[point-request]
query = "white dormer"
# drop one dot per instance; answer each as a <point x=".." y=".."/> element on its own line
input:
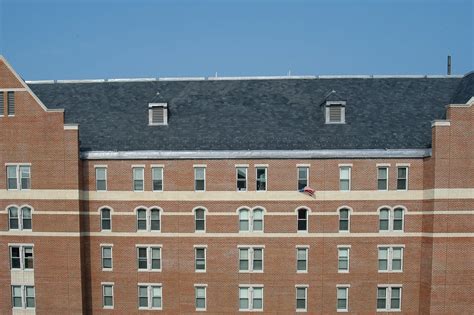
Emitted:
<point x="157" y="114"/>
<point x="335" y="112"/>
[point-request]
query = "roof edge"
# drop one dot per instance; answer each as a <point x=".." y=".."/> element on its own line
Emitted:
<point x="255" y="154"/>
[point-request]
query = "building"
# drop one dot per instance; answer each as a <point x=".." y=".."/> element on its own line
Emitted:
<point x="184" y="195"/>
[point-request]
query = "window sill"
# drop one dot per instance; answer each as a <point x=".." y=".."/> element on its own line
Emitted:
<point x="388" y="310"/>
<point x="200" y="271"/>
<point x="343" y="271"/>
<point x="302" y="272"/>
<point x="343" y="311"/>
<point x="301" y="311"/>
<point x="108" y="307"/>
<point x="154" y="271"/>
<point x="390" y="271"/>
<point x="250" y="271"/>
<point x="149" y="309"/>
<point x="107" y="269"/>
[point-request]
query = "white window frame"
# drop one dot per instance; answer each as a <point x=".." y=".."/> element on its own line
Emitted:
<point x="387" y="169"/>
<point x="195" y="210"/>
<point x="388" y="297"/>
<point x="341" y="167"/>
<point x="251" y="257"/>
<point x="196" y="248"/>
<point x="306" y="249"/>
<point x="102" y="257"/>
<point x="142" y="169"/>
<point x="149" y="248"/>
<point x="341" y="248"/>
<point x="197" y="167"/>
<point x="153" y="168"/>
<point x="257" y="179"/>
<point x="391" y="218"/>
<point x="390" y="248"/>
<point x="305" y="287"/>
<point x="97" y="169"/>
<point x="407" y="176"/>
<point x="148" y="212"/>
<point x="349" y="212"/>
<point x="18" y="175"/>
<point x="251" y="219"/>
<point x="344" y="287"/>
<point x="298" y="177"/>
<point x="20" y="217"/>
<point x="298" y="219"/>
<point x="196" y="287"/>
<point x="23" y="296"/>
<point x="250" y="288"/>
<point x="150" y="287"/>
<point x="102" y="219"/>
<point x="237" y="178"/>
<point x="22" y="248"/>
<point x="107" y="284"/>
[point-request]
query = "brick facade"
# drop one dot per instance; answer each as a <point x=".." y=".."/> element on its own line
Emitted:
<point x="437" y="236"/>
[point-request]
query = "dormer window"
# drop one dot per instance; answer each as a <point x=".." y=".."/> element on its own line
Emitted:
<point x="158" y="114"/>
<point x="335" y="112"/>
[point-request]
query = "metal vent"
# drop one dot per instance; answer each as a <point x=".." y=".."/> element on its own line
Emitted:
<point x="11" y="103"/>
<point x="158" y="114"/>
<point x="335" y="113"/>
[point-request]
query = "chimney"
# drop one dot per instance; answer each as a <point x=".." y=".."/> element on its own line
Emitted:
<point x="449" y="64"/>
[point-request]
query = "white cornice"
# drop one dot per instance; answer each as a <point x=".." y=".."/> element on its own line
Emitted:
<point x="256" y="154"/>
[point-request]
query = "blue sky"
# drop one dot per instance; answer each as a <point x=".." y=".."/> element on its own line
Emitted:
<point x="73" y="39"/>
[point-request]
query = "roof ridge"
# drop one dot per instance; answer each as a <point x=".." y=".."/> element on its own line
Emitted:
<point x="236" y="78"/>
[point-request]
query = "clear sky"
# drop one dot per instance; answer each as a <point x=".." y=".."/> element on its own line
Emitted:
<point x="74" y="39"/>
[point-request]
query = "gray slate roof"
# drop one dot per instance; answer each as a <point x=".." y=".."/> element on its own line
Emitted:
<point x="266" y="114"/>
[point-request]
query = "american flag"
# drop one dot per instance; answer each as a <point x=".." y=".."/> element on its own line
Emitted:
<point x="310" y="191"/>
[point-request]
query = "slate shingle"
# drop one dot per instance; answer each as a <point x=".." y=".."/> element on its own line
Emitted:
<point x="282" y="114"/>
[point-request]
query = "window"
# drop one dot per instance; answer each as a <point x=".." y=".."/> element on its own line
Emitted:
<point x="335" y="113"/>
<point x="149" y="258"/>
<point x="157" y="114"/>
<point x="108" y="295"/>
<point x="390" y="259"/>
<point x="138" y="178"/>
<point x="101" y="178"/>
<point x="23" y="296"/>
<point x="302" y="220"/>
<point x="250" y="259"/>
<point x="301" y="298"/>
<point x="261" y="179"/>
<point x="343" y="259"/>
<point x="402" y="178"/>
<point x="149" y="296"/>
<point x="106" y="257"/>
<point x="342" y="298"/>
<point x="344" y="220"/>
<point x="391" y="220"/>
<point x="389" y="298"/>
<point x="199" y="178"/>
<point x="200" y="220"/>
<point x="18" y="177"/>
<point x="250" y="298"/>
<point x="200" y="259"/>
<point x="200" y="295"/>
<point x="241" y="173"/>
<point x="19" y="220"/>
<point x="148" y="220"/>
<point x="2" y="104"/>
<point x="157" y="178"/>
<point x="251" y="221"/>
<point x="303" y="177"/>
<point x="301" y="259"/>
<point x="382" y="178"/>
<point x="105" y="219"/>
<point x="11" y="103"/>
<point x="345" y="178"/>
<point x="21" y="257"/>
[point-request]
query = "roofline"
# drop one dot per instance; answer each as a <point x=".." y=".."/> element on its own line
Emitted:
<point x="242" y="78"/>
<point x="255" y="154"/>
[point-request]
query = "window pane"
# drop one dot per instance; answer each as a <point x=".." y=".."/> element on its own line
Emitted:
<point x="12" y="178"/>
<point x="28" y="253"/>
<point x="398" y="213"/>
<point x="261" y="178"/>
<point x="15" y="258"/>
<point x="25" y="177"/>
<point x="26" y="213"/>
